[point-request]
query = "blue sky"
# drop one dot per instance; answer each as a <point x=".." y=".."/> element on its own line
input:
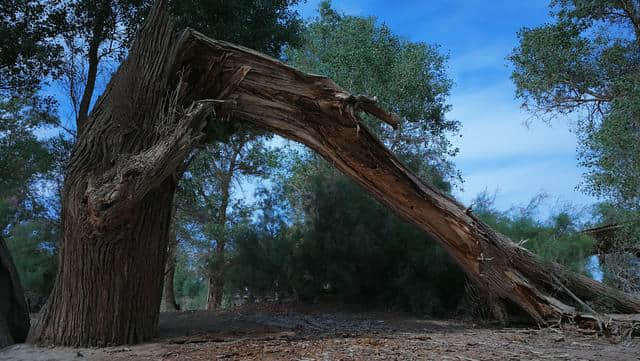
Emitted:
<point x="497" y="151"/>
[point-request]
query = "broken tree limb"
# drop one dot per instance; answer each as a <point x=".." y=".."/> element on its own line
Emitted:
<point x="315" y="111"/>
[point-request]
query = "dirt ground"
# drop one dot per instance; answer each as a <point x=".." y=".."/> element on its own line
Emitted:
<point x="303" y="334"/>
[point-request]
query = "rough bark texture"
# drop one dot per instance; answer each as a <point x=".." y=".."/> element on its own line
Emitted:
<point x="120" y="182"/>
<point x="14" y="313"/>
<point x="117" y="199"/>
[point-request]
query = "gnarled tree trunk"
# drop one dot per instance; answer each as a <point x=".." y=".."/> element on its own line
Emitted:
<point x="121" y="178"/>
<point x="14" y="313"/>
<point x="117" y="199"/>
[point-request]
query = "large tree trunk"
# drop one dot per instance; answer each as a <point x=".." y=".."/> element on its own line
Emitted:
<point x="120" y="182"/>
<point x="14" y="313"/>
<point x="118" y="198"/>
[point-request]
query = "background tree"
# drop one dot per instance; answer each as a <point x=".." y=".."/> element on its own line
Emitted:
<point x="588" y="62"/>
<point x="209" y="213"/>
<point x="407" y="78"/>
<point x="267" y="26"/>
<point x="350" y="246"/>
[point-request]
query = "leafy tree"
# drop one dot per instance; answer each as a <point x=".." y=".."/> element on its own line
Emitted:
<point x="408" y="78"/>
<point x="588" y="62"/>
<point x="28" y="52"/>
<point x="342" y="243"/>
<point x="207" y="210"/>
<point x="356" y="249"/>
<point x="25" y="223"/>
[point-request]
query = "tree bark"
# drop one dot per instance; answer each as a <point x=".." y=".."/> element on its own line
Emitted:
<point x="215" y="290"/>
<point x="120" y="182"/>
<point x="117" y="199"/>
<point x="14" y="313"/>
<point x="169" y="303"/>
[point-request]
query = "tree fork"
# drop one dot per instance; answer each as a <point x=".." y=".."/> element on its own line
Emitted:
<point x="120" y="183"/>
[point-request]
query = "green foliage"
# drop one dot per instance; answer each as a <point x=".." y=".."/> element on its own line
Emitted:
<point x="263" y="261"/>
<point x="620" y="261"/>
<point x="24" y="222"/>
<point x="189" y="287"/>
<point x="555" y="240"/>
<point x="408" y="78"/>
<point x="346" y="247"/>
<point x="320" y="235"/>
<point x="24" y="157"/>
<point x="365" y="254"/>
<point x="588" y="62"/>
<point x="263" y="25"/>
<point x="33" y="247"/>
<point x="28" y="52"/>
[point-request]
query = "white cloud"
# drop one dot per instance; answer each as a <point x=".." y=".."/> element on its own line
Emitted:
<point x="493" y="127"/>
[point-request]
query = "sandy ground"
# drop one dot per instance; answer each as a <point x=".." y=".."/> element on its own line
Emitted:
<point x="244" y="334"/>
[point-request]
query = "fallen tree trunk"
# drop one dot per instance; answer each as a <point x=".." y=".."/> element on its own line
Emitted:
<point x="14" y="313"/>
<point x="174" y="88"/>
<point x="314" y="111"/>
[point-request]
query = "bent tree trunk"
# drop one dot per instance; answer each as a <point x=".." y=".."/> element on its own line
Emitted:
<point x="14" y="313"/>
<point x="173" y="88"/>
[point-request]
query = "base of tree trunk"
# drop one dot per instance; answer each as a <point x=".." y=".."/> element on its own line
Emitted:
<point x="215" y="292"/>
<point x="14" y="313"/>
<point x="109" y="286"/>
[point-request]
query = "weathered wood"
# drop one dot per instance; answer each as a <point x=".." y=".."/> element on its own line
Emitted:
<point x="315" y="111"/>
<point x="173" y="88"/>
<point x="14" y="313"/>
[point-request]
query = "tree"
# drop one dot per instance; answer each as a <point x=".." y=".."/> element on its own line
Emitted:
<point x="14" y="313"/>
<point x="408" y="78"/>
<point x="206" y="204"/>
<point x="588" y="63"/>
<point x="96" y="35"/>
<point x="27" y="50"/>
<point x="361" y="249"/>
<point x="121" y="179"/>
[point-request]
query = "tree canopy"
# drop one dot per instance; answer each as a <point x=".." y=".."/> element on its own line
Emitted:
<point x="587" y="62"/>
